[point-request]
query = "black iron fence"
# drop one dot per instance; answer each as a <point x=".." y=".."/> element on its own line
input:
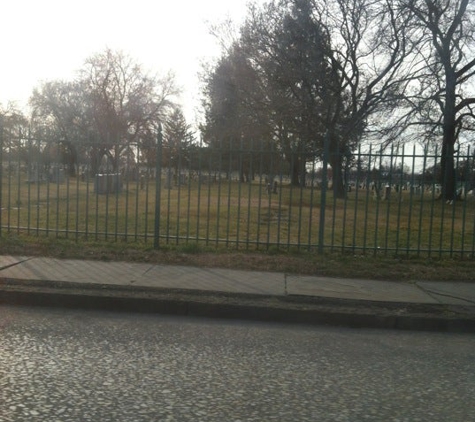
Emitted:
<point x="236" y="195"/>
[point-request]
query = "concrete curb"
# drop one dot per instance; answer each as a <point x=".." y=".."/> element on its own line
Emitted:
<point x="301" y="310"/>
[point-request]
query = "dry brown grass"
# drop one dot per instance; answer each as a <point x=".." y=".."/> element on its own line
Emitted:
<point x="329" y="265"/>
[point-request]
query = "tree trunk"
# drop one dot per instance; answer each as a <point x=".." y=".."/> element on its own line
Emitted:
<point x="303" y="173"/>
<point x="336" y="163"/>
<point x="448" y="142"/>
<point x="71" y="156"/>
<point x="448" y="172"/>
<point x="294" y="171"/>
<point x="95" y="160"/>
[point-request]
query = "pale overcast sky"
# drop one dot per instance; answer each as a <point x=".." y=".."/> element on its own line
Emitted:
<point x="50" y="39"/>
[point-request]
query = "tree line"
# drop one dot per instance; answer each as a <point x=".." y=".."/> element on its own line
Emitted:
<point x="112" y="111"/>
<point x="319" y="78"/>
<point x="304" y="79"/>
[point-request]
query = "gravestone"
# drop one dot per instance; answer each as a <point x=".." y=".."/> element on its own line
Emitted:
<point x="108" y="183"/>
<point x="56" y="175"/>
<point x="387" y="192"/>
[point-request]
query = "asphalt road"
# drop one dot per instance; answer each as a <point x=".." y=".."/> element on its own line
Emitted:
<point x="63" y="365"/>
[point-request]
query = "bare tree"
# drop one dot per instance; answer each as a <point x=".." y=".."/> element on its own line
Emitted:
<point x="445" y="99"/>
<point x="111" y="105"/>
<point x="324" y="72"/>
<point x="124" y="102"/>
<point x="286" y="47"/>
<point x="368" y="57"/>
<point x="13" y="126"/>
<point x="265" y="88"/>
<point x="59" y="117"/>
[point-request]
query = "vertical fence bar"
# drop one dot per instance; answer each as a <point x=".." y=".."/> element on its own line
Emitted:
<point x="311" y="204"/>
<point x="345" y="202"/>
<point x="139" y="186"/>
<point x="147" y="199"/>
<point x="454" y="204"/>
<point x="57" y="160"/>
<point x="473" y="197"/>
<point x="68" y="197"/>
<point x="443" y="208"/>
<point x="106" y="228"/>
<point x="78" y="197"/>
<point x="158" y="186"/>
<point x="357" y="192"/>
<point x="333" y="214"/>
<point x="276" y="167"/>
<point x="127" y="175"/>
<point x="1" y="177"/>
<point x="433" y="184"/>
<point x="294" y="172"/>
<point x="117" y="183"/>
<point x="302" y="183"/>
<point x="411" y="202"/>
<point x="377" y="187"/>
<point x="218" y="205"/>
<point x="259" y="200"/>
<point x="323" y="200"/>
<point x="239" y="194"/>
<point x="463" y="196"/>
<point x="230" y="172"/>
<point x="388" y="200"/>
<point x="421" y="197"/>
<point x="208" y="202"/>
<point x="169" y="188"/>
<point x="250" y="177"/>
<point x="367" y="196"/>
<point x="49" y="179"/>
<point x="473" y="238"/>
<point x="398" y="193"/>
<point x="87" y="177"/>
<point x="21" y="145"/>
<point x="270" y="176"/>
<point x="30" y="170"/>
<point x="48" y="191"/>
<point x="96" y="204"/>
<point x="38" y="180"/>
<point x="8" y="139"/>
<point x="178" y="187"/>
<point x="9" y="178"/>
<point x="188" y="211"/>
<point x="200" y="173"/>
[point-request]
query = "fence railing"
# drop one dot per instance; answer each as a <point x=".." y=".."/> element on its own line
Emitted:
<point x="237" y="196"/>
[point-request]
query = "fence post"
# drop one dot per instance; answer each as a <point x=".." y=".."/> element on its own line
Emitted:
<point x="1" y="171"/>
<point x="323" y="200"/>
<point x="158" y="186"/>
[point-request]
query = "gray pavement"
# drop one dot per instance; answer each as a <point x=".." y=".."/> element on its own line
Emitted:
<point x="233" y="293"/>
<point x="70" y="365"/>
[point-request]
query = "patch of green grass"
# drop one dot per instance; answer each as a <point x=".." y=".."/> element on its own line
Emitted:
<point x="236" y="216"/>
<point x="273" y="250"/>
<point x="189" y="248"/>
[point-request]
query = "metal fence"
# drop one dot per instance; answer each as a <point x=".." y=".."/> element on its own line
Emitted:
<point x="245" y="196"/>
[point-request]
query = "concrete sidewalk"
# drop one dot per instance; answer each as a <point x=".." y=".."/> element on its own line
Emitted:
<point x="186" y="290"/>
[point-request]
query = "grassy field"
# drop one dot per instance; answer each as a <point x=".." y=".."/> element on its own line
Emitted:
<point x="225" y="223"/>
